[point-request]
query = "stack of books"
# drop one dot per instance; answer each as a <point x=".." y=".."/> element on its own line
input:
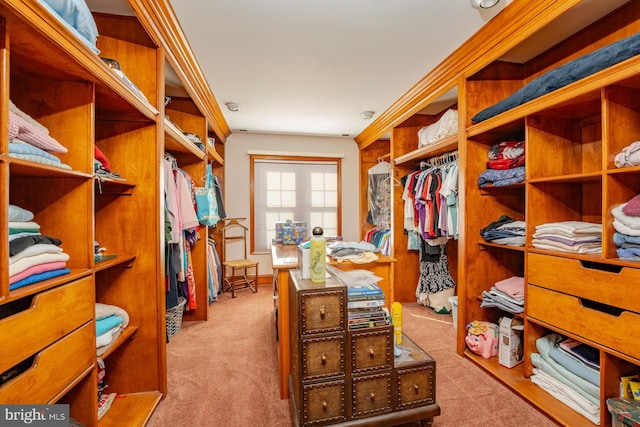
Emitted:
<point x="366" y="307"/>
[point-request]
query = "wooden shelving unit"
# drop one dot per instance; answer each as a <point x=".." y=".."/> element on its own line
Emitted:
<point x="572" y="135"/>
<point x="65" y="86"/>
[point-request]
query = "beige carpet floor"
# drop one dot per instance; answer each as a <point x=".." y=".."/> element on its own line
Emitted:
<point x="224" y="372"/>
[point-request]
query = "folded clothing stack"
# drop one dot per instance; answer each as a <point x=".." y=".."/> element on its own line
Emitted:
<point x="626" y="222"/>
<point x="33" y="257"/>
<point x="505" y="165"/>
<point x="505" y="231"/>
<point x="111" y="320"/>
<point x="569" y="236"/>
<point x="507" y="294"/>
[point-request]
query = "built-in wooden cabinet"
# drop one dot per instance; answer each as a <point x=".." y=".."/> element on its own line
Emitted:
<point x="572" y="136"/>
<point x="65" y="86"/>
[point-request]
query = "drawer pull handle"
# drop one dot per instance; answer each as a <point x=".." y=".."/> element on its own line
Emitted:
<point x="324" y="405"/>
<point x="372" y="352"/>
<point x="323" y="311"/>
<point x="324" y="359"/>
<point x="416" y="388"/>
<point x="372" y="396"/>
<point x="602" y="267"/>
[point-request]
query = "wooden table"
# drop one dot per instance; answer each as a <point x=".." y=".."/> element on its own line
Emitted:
<point x="285" y="258"/>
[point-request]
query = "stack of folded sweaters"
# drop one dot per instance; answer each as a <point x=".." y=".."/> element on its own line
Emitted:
<point x="626" y="223"/>
<point x="505" y="231"/>
<point x="505" y="165"/>
<point x="33" y="257"/>
<point x="30" y="140"/>
<point x="507" y="294"/>
<point x="569" y="236"/>
<point x="111" y="320"/>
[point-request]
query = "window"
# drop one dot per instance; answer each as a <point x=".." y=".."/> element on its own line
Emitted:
<point x="296" y="188"/>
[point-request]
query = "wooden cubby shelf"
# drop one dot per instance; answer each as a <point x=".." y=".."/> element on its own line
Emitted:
<point x="136" y="408"/>
<point x="125" y="335"/>
<point x="120" y="261"/>
<point x="442" y="146"/>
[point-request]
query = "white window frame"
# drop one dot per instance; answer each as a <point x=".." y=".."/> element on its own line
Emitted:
<point x="258" y="222"/>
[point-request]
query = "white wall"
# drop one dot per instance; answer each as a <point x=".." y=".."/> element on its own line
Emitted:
<point x="237" y="176"/>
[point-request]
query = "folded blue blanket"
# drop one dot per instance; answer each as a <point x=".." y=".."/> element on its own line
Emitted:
<point x="25" y="148"/>
<point x="543" y="360"/>
<point x="501" y="177"/>
<point x="575" y="366"/>
<point x="566" y="74"/>
<point x="110" y="322"/>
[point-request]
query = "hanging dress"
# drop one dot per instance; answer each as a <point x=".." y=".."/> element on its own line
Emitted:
<point x="379" y="195"/>
<point x="435" y="284"/>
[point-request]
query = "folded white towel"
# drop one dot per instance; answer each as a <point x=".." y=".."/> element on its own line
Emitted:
<point x="570" y="227"/>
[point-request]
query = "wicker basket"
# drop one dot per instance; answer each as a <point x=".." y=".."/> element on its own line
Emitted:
<point x="174" y="317"/>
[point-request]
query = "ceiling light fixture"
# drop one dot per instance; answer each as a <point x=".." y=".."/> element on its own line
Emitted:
<point x="233" y="106"/>
<point x="484" y="4"/>
<point x="367" y="114"/>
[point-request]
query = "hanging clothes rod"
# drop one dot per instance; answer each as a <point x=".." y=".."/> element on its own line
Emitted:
<point x="441" y="159"/>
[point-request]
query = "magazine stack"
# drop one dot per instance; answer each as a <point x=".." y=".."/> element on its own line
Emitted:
<point x="366" y="307"/>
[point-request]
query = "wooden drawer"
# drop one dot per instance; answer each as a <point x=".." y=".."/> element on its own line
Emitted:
<point x="371" y="350"/>
<point x="52" y="315"/>
<point x="371" y="395"/>
<point x="322" y="311"/>
<point x="53" y="369"/>
<point x="323" y="403"/>
<point x="415" y="386"/>
<point x="604" y="325"/>
<point x="590" y="280"/>
<point x="322" y="357"/>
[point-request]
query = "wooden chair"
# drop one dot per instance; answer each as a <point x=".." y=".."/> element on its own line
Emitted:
<point x="239" y="278"/>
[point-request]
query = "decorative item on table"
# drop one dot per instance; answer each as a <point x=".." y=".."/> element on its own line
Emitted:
<point x="396" y="312"/>
<point x="625" y="386"/>
<point x="366" y="307"/>
<point x="396" y="318"/>
<point x="511" y="345"/>
<point x="483" y="338"/>
<point x="624" y="412"/>
<point x="318" y="256"/>
<point x="635" y="389"/>
<point x="291" y="232"/>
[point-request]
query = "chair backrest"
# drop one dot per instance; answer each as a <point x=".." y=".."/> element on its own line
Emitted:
<point x="233" y="230"/>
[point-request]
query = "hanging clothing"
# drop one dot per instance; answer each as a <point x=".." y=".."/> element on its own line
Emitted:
<point x="430" y="198"/>
<point x="182" y="230"/>
<point x="379" y="195"/>
<point x="217" y="189"/>
<point x="435" y="284"/>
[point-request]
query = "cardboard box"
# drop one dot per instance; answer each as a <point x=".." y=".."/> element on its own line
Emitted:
<point x="511" y="351"/>
<point x="304" y="262"/>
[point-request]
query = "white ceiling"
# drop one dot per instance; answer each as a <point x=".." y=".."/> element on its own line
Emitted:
<point x="311" y="67"/>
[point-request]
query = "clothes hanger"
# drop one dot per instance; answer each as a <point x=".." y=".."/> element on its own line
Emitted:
<point x="381" y="168"/>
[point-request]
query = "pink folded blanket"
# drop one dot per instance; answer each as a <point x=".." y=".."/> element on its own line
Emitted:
<point x="513" y="286"/>
<point x="27" y="132"/>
